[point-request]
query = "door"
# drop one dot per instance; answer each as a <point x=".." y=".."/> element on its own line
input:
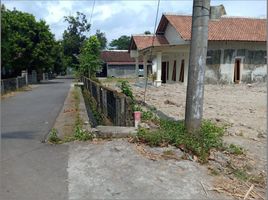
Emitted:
<point x="237" y="71"/>
<point x="182" y="72"/>
<point x="164" y="72"/>
<point x="174" y="71"/>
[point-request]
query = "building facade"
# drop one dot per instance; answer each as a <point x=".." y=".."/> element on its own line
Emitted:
<point x="236" y="50"/>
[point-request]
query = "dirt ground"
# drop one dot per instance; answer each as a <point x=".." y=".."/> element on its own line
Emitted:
<point x="242" y="107"/>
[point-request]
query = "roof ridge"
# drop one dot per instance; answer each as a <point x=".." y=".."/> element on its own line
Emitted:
<point x="224" y="16"/>
<point x="177" y="14"/>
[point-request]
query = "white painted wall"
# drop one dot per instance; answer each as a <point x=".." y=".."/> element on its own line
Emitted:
<point x="227" y="71"/>
<point x="172" y="36"/>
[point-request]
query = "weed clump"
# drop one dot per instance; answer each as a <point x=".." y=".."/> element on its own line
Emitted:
<point x="174" y="133"/>
<point x="53" y="136"/>
<point x="234" y="149"/>
<point x="82" y="135"/>
<point x="126" y="89"/>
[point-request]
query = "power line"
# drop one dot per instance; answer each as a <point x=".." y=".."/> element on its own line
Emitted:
<point x="151" y="51"/>
<point x="92" y="10"/>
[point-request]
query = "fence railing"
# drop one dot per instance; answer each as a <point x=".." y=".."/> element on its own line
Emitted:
<point x="12" y="84"/>
<point x="114" y="105"/>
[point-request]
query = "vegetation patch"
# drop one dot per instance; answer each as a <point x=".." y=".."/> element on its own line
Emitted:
<point x="53" y="136"/>
<point x="174" y="133"/>
<point x="234" y="149"/>
<point x="90" y="101"/>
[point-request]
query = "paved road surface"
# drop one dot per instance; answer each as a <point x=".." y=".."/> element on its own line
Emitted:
<point x="30" y="169"/>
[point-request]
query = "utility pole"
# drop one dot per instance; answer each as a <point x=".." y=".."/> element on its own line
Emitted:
<point x="197" y="64"/>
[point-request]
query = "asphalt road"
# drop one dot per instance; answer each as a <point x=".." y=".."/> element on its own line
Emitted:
<point x="30" y="169"/>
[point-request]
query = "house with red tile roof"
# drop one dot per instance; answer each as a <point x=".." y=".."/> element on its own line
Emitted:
<point x="118" y="63"/>
<point x="236" y="49"/>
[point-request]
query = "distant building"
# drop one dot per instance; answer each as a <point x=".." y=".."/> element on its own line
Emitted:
<point x="118" y="63"/>
<point x="236" y="49"/>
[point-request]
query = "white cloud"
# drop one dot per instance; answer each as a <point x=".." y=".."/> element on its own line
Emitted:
<point x="117" y="18"/>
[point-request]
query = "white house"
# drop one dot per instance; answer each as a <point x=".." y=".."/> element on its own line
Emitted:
<point x="236" y="49"/>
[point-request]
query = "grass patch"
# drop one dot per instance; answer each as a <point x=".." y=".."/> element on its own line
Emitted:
<point x="82" y="135"/>
<point x="234" y="149"/>
<point x="53" y="136"/>
<point x="241" y="174"/>
<point x="174" y="133"/>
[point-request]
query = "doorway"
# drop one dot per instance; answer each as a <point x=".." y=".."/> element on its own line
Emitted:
<point x="164" y="72"/>
<point x="237" y="70"/>
<point x="174" y="71"/>
<point x="181" y="79"/>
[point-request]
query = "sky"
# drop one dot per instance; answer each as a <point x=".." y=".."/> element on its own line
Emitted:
<point x="124" y="17"/>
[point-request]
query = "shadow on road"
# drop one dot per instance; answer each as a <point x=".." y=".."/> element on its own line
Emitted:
<point x="19" y="135"/>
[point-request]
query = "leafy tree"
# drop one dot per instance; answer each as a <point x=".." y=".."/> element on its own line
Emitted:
<point x="74" y="37"/>
<point x="89" y="57"/>
<point x="120" y="43"/>
<point x="102" y="39"/>
<point x="147" y="32"/>
<point x="25" y="43"/>
<point x="60" y="63"/>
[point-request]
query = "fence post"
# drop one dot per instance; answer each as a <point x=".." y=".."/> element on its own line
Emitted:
<point x="122" y="112"/>
<point x="17" y="83"/>
<point x="104" y="102"/>
<point x="98" y="97"/>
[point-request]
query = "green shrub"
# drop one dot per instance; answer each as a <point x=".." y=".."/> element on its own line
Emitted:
<point x="147" y="115"/>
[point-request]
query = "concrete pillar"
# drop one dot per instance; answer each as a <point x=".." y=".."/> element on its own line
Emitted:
<point x="159" y="68"/>
<point x="145" y="66"/>
<point x="24" y="73"/>
<point x="44" y="76"/>
<point x="170" y="69"/>
<point x="137" y="67"/>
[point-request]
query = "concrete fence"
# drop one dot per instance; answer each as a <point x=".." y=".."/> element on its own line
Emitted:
<point x="13" y="84"/>
<point x="115" y="106"/>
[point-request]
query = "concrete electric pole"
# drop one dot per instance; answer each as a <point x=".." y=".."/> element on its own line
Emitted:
<point x="197" y="64"/>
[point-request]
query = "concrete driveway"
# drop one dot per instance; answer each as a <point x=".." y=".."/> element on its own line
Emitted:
<point x="30" y="169"/>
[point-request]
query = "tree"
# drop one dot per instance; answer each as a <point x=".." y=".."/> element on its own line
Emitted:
<point x="147" y="32"/>
<point x="102" y="39"/>
<point x="89" y="57"/>
<point x="120" y="43"/>
<point x="74" y="37"/>
<point x="25" y="43"/>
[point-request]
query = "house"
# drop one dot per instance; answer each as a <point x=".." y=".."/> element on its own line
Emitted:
<point x="118" y="63"/>
<point x="236" y="50"/>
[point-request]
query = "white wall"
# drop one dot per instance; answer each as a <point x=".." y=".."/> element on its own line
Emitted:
<point x="172" y="36"/>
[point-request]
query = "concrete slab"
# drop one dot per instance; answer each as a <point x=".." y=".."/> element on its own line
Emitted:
<point x="115" y="131"/>
<point x="117" y="170"/>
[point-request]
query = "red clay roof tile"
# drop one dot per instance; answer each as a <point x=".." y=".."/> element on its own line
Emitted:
<point x="144" y="41"/>
<point x="226" y="28"/>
